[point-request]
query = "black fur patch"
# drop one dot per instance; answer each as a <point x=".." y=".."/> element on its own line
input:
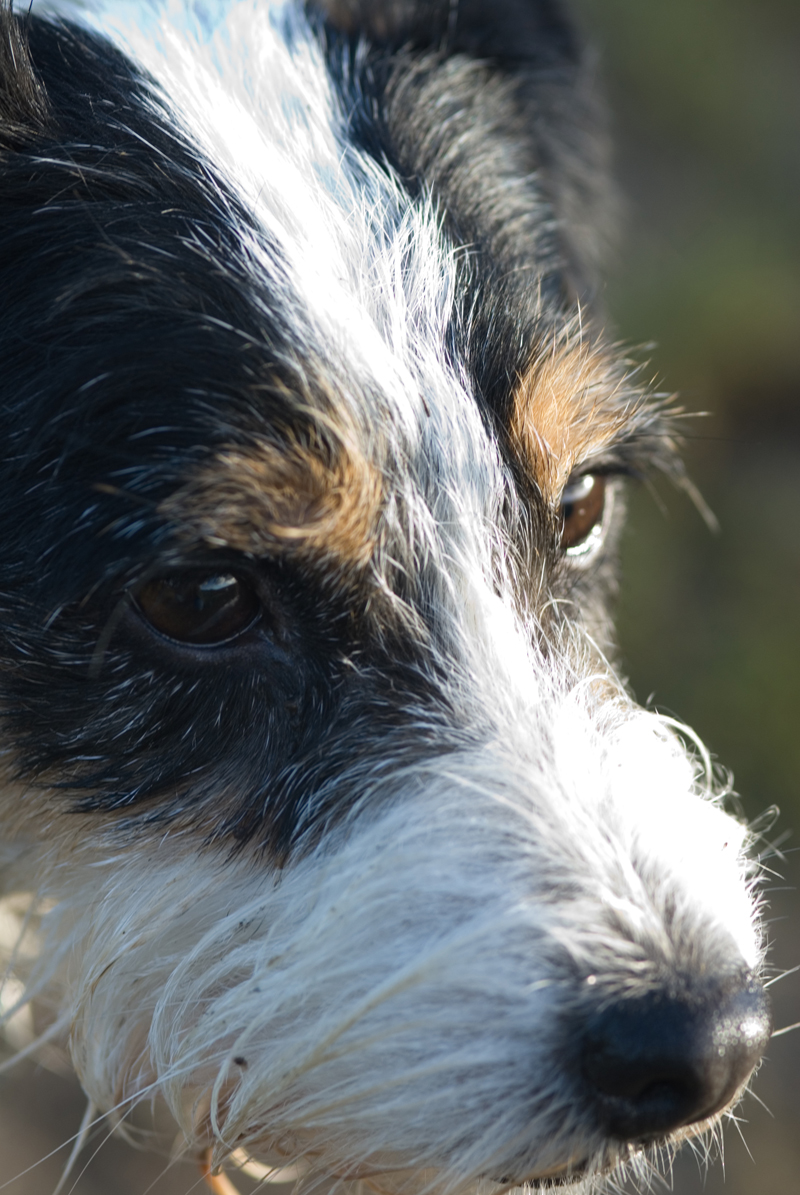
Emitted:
<point x="133" y="346"/>
<point x="136" y="344"/>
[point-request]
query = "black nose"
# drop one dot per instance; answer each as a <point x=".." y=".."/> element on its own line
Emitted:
<point x="660" y="1061"/>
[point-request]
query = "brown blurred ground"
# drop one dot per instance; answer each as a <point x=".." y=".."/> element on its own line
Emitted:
<point x="706" y="96"/>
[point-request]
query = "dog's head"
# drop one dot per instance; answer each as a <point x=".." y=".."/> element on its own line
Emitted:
<point x="353" y="846"/>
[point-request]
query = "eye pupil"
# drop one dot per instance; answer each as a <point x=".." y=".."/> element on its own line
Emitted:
<point x="199" y="608"/>
<point x="582" y="506"/>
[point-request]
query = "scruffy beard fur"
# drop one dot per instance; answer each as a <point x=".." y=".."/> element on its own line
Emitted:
<point x="370" y="864"/>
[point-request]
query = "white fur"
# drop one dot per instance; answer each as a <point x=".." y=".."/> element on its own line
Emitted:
<point x="399" y="994"/>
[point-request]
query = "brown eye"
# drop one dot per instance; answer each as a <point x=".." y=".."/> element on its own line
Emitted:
<point x="199" y="608"/>
<point x="582" y="505"/>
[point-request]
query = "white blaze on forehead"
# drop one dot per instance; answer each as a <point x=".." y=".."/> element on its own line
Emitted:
<point x="366" y="278"/>
<point x="247" y="82"/>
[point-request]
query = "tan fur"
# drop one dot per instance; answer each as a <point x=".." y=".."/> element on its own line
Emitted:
<point x="270" y="499"/>
<point x="566" y="410"/>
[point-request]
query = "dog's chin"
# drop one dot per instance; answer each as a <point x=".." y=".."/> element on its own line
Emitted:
<point x="566" y="1175"/>
<point x="390" y="1173"/>
<point x="436" y="1181"/>
<point x="432" y="1180"/>
<point x="427" y="1181"/>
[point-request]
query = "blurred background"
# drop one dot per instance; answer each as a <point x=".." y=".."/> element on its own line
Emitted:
<point x="706" y="102"/>
<point x="705" y="97"/>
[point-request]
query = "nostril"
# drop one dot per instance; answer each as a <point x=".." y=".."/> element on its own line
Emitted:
<point x="657" y="1062"/>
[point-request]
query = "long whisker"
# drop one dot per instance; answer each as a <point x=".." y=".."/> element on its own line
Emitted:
<point x="783" y="975"/>
<point x="786" y="1029"/>
<point x="81" y="1138"/>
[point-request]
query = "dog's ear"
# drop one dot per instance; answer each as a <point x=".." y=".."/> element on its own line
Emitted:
<point x="510" y="33"/>
<point x="23" y="104"/>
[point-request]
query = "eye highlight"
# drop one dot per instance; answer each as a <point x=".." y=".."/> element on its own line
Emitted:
<point x="581" y="513"/>
<point x="201" y="609"/>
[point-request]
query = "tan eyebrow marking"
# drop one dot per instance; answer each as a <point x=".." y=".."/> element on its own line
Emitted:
<point x="268" y="499"/>
<point x="568" y="406"/>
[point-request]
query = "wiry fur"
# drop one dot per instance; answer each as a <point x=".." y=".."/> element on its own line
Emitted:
<point x="306" y="301"/>
<point x="194" y="987"/>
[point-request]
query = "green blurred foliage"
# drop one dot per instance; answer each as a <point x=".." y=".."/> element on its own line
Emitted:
<point x="705" y="96"/>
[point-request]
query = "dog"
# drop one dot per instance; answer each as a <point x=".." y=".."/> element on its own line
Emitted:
<point x="341" y="836"/>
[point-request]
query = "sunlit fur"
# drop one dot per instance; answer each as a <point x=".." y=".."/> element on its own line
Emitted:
<point x="402" y="997"/>
<point x="397" y="993"/>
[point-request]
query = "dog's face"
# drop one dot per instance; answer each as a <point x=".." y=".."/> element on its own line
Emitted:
<point x="352" y="846"/>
